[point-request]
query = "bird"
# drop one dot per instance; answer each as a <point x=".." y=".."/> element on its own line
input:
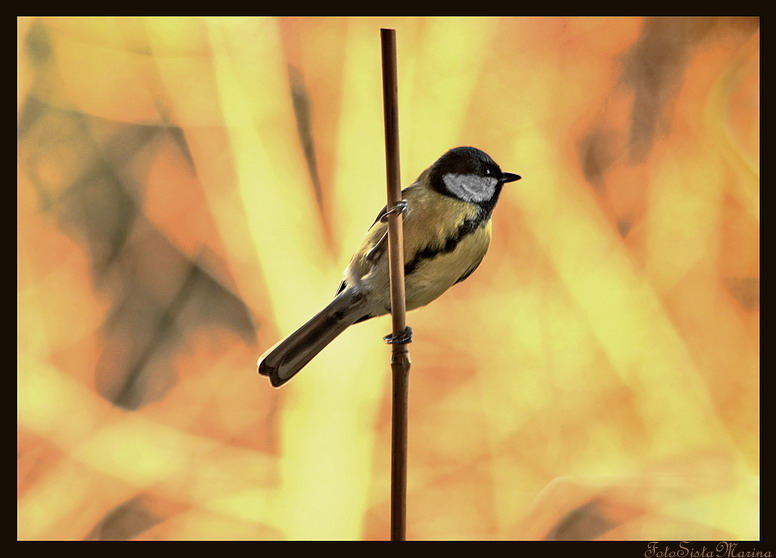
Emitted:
<point x="447" y="230"/>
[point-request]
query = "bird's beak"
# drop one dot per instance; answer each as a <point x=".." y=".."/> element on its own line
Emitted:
<point x="509" y="177"/>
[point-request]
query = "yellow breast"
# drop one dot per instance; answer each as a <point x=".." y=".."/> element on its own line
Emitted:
<point x="444" y="240"/>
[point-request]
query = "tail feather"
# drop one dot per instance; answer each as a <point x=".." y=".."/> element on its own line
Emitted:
<point x="291" y="354"/>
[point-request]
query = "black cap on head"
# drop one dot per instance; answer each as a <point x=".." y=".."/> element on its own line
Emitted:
<point x="466" y="160"/>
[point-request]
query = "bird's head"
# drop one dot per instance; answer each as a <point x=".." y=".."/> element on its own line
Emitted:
<point x="470" y="175"/>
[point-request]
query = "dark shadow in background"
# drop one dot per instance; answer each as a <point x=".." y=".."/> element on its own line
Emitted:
<point x="159" y="295"/>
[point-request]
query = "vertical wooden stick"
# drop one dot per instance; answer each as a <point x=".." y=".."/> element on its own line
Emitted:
<point x="400" y="358"/>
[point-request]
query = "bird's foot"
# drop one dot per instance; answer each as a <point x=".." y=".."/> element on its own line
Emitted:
<point x="400" y="339"/>
<point x="400" y="206"/>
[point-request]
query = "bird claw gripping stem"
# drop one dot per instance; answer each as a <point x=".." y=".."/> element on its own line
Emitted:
<point x="400" y="339"/>
<point x="400" y="206"/>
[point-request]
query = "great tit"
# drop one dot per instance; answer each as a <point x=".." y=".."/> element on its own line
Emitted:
<point x="447" y="230"/>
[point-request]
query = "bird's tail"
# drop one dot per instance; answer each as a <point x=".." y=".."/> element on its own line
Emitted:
<point x="288" y="357"/>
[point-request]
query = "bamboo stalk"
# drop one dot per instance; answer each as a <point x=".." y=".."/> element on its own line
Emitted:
<point x="400" y="360"/>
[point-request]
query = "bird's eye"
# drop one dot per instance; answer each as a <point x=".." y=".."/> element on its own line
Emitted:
<point x="487" y="172"/>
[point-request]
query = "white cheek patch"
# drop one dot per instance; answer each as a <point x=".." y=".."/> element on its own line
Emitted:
<point x="471" y="187"/>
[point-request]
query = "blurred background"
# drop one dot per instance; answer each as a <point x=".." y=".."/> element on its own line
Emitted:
<point x="190" y="189"/>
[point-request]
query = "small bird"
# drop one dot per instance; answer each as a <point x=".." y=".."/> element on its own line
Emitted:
<point x="447" y="230"/>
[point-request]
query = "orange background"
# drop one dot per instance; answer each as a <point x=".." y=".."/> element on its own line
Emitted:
<point x="189" y="190"/>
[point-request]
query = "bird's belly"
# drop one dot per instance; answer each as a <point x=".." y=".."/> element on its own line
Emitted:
<point x="434" y="275"/>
